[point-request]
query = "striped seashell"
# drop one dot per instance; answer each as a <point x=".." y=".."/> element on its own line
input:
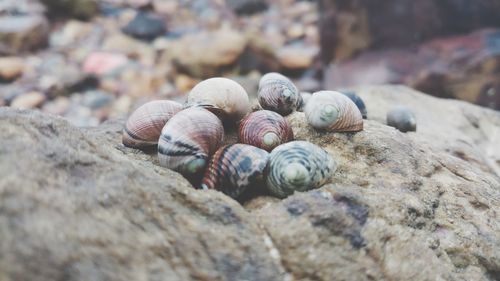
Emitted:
<point x="334" y="112"/>
<point x="234" y="168"/>
<point x="278" y="93"/>
<point x="298" y="166"/>
<point x="144" y="125"/>
<point x="357" y="101"/>
<point x="189" y="139"/>
<point x="402" y="119"/>
<point x="264" y="129"/>
<point x="304" y="98"/>
<point x="222" y="96"/>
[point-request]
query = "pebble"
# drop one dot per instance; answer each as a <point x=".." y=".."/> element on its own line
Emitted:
<point x="401" y="118"/>
<point x="102" y="63"/>
<point x="145" y="26"/>
<point x="247" y="7"/>
<point x="11" y="68"/>
<point x="28" y="100"/>
<point x="22" y="33"/>
<point x="297" y="56"/>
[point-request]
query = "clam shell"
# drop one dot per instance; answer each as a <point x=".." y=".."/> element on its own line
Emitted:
<point x="334" y="112"/>
<point x="298" y="166"/>
<point x="144" y="125"/>
<point x="222" y="96"/>
<point x="264" y="129"/>
<point x="402" y="119"/>
<point x="278" y="93"/>
<point x="235" y="167"/>
<point x="304" y="98"/>
<point x="357" y="101"/>
<point x="189" y="139"/>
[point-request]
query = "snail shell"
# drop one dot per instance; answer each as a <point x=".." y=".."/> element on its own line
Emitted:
<point x="264" y="129"/>
<point x="357" y="101"/>
<point x="278" y="93"/>
<point x="189" y="139"/>
<point x="304" y="98"/>
<point x="222" y="96"/>
<point x="235" y="167"/>
<point x="298" y="166"/>
<point x="144" y="125"/>
<point x="402" y="119"/>
<point x="333" y="111"/>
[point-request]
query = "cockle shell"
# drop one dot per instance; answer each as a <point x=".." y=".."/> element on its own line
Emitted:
<point x="333" y="111"/>
<point x="402" y="119"/>
<point x="357" y="101"/>
<point x="278" y="93"/>
<point x="298" y="166"/>
<point x="222" y="96"/>
<point x="189" y="139"/>
<point x="235" y="167"/>
<point x="264" y="129"/>
<point x="304" y="98"/>
<point x="144" y="125"/>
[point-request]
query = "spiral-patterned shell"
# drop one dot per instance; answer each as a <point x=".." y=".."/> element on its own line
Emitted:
<point x="222" y="96"/>
<point x="144" y="125"/>
<point x="264" y="129"/>
<point x="402" y="119"/>
<point x="189" y="139"/>
<point x="235" y="167"/>
<point x="278" y="93"/>
<point x="333" y="111"/>
<point x="298" y="166"/>
<point x="357" y="101"/>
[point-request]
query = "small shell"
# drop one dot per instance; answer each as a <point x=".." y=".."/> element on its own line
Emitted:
<point x="144" y="125"/>
<point x="278" y="93"/>
<point x="357" y="101"/>
<point x="264" y="129"/>
<point x="304" y="98"/>
<point x="298" y="166"/>
<point x="222" y="96"/>
<point x="189" y="139"/>
<point x="334" y="112"/>
<point x="235" y="167"/>
<point x="402" y="119"/>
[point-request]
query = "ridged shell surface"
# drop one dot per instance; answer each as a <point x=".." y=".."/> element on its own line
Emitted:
<point x="222" y="96"/>
<point x="357" y="101"/>
<point x="235" y="167"/>
<point x="298" y="166"/>
<point x="402" y="119"/>
<point x="278" y="93"/>
<point x="144" y="125"/>
<point x="189" y="139"/>
<point x="264" y="129"/>
<point x="334" y="112"/>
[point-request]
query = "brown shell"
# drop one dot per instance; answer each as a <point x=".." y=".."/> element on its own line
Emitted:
<point x="189" y="139"/>
<point x="222" y="96"/>
<point x="334" y="112"/>
<point x="278" y="93"/>
<point x="235" y="167"/>
<point x="144" y="125"/>
<point x="264" y="129"/>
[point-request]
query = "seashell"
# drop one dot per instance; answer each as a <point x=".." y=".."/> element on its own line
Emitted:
<point x="144" y="125"/>
<point x="298" y="166"/>
<point x="304" y="98"/>
<point x="189" y="139"/>
<point x="334" y="112"/>
<point x="357" y="101"/>
<point x="402" y="119"/>
<point x="264" y="129"/>
<point x="222" y="96"/>
<point x="278" y="93"/>
<point x="235" y="167"/>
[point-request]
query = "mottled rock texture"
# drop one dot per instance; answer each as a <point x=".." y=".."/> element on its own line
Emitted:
<point x="76" y="205"/>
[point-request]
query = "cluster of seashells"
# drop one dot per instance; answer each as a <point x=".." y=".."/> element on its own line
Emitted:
<point x="189" y="138"/>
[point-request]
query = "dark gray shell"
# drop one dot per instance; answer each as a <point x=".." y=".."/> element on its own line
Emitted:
<point x="358" y="102"/>
<point x="278" y="93"/>
<point x="402" y="119"/>
<point x="298" y="166"/>
<point x="235" y="167"/>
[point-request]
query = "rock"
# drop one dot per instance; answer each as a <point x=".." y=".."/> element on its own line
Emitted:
<point x="102" y="63"/>
<point x="419" y="206"/>
<point x="28" y="100"/>
<point x="11" y="68"/>
<point x="21" y="33"/>
<point x="296" y="57"/>
<point x="207" y="54"/>
<point x="71" y="34"/>
<point x="247" y="7"/>
<point x="80" y="9"/>
<point x="145" y="26"/>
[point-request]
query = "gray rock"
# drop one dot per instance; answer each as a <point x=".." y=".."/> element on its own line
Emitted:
<point x="21" y="33"/>
<point x="81" y="9"/>
<point x="145" y="26"/>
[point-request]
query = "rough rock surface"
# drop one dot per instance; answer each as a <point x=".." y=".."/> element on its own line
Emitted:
<point x="76" y="205"/>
